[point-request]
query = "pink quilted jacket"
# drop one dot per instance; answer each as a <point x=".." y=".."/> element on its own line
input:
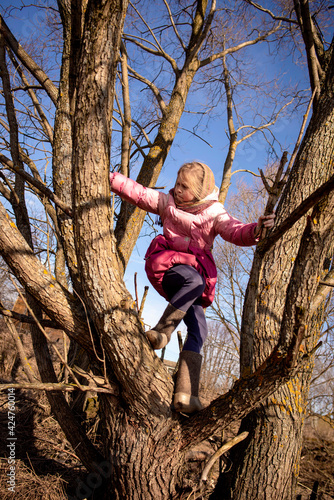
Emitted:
<point x="187" y="238"/>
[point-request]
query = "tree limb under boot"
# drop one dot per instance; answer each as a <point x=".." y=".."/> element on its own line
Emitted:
<point x="187" y="383"/>
<point x="160" y="335"/>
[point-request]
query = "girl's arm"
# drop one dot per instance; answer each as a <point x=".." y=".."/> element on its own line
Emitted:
<point x="234" y="231"/>
<point x="129" y="190"/>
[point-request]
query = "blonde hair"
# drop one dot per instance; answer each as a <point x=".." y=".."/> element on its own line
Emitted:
<point x="199" y="178"/>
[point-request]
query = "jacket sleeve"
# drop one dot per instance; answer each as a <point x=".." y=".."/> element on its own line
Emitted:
<point x="129" y="190"/>
<point x="234" y="231"/>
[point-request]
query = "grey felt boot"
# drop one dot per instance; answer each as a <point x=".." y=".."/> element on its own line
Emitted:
<point x="187" y="383"/>
<point x="160" y="335"/>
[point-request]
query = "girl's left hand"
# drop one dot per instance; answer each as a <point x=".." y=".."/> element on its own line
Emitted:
<point x="266" y="221"/>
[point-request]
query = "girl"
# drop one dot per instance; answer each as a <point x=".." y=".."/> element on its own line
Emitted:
<point x="179" y="263"/>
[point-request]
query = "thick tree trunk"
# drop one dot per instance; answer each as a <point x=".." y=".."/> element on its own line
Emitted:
<point x="62" y="151"/>
<point x="282" y="286"/>
<point x="143" y="461"/>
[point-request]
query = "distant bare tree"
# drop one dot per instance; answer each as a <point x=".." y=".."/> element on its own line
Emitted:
<point x="220" y="362"/>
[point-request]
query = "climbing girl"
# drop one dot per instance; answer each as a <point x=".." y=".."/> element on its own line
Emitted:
<point x="179" y="262"/>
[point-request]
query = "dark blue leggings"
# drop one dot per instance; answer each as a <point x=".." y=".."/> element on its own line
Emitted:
<point x="184" y="286"/>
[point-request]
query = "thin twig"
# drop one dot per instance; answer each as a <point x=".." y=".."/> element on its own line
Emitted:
<point x="136" y="291"/>
<point x="41" y="188"/>
<point x="89" y="328"/>
<point x="143" y="300"/>
<point x="103" y="360"/>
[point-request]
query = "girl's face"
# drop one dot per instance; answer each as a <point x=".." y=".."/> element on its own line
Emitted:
<point x="182" y="193"/>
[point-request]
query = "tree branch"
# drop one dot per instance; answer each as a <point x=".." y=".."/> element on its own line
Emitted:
<point x="220" y="452"/>
<point x="300" y="136"/>
<point x="151" y="85"/>
<point x="20" y="349"/>
<point x="158" y="49"/>
<point x="232" y="50"/>
<point x="173" y="24"/>
<point x="126" y="129"/>
<point x="305" y="23"/>
<point x="247" y="393"/>
<point x="45" y="124"/>
<point x="301" y="210"/>
<point x="273" y="16"/>
<point x="49" y="386"/>
<point x="42" y="189"/>
<point x="23" y="318"/>
<point x="28" y="62"/>
<point x="199" y="28"/>
<point x="58" y="303"/>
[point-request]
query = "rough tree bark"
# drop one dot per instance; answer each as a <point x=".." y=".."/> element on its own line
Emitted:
<point x="283" y="285"/>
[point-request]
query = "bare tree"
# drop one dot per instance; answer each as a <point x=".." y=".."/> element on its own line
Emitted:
<point x="145" y="443"/>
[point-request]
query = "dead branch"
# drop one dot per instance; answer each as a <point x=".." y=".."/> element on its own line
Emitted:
<point x="274" y="191"/>
<point x="136" y="290"/>
<point x="92" y="379"/>
<point x="58" y="387"/>
<point x="179" y="339"/>
<point x="23" y="318"/>
<point x="227" y="446"/>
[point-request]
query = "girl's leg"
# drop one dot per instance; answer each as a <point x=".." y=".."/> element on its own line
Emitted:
<point x="187" y="381"/>
<point x="183" y="285"/>
<point x="196" y="326"/>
